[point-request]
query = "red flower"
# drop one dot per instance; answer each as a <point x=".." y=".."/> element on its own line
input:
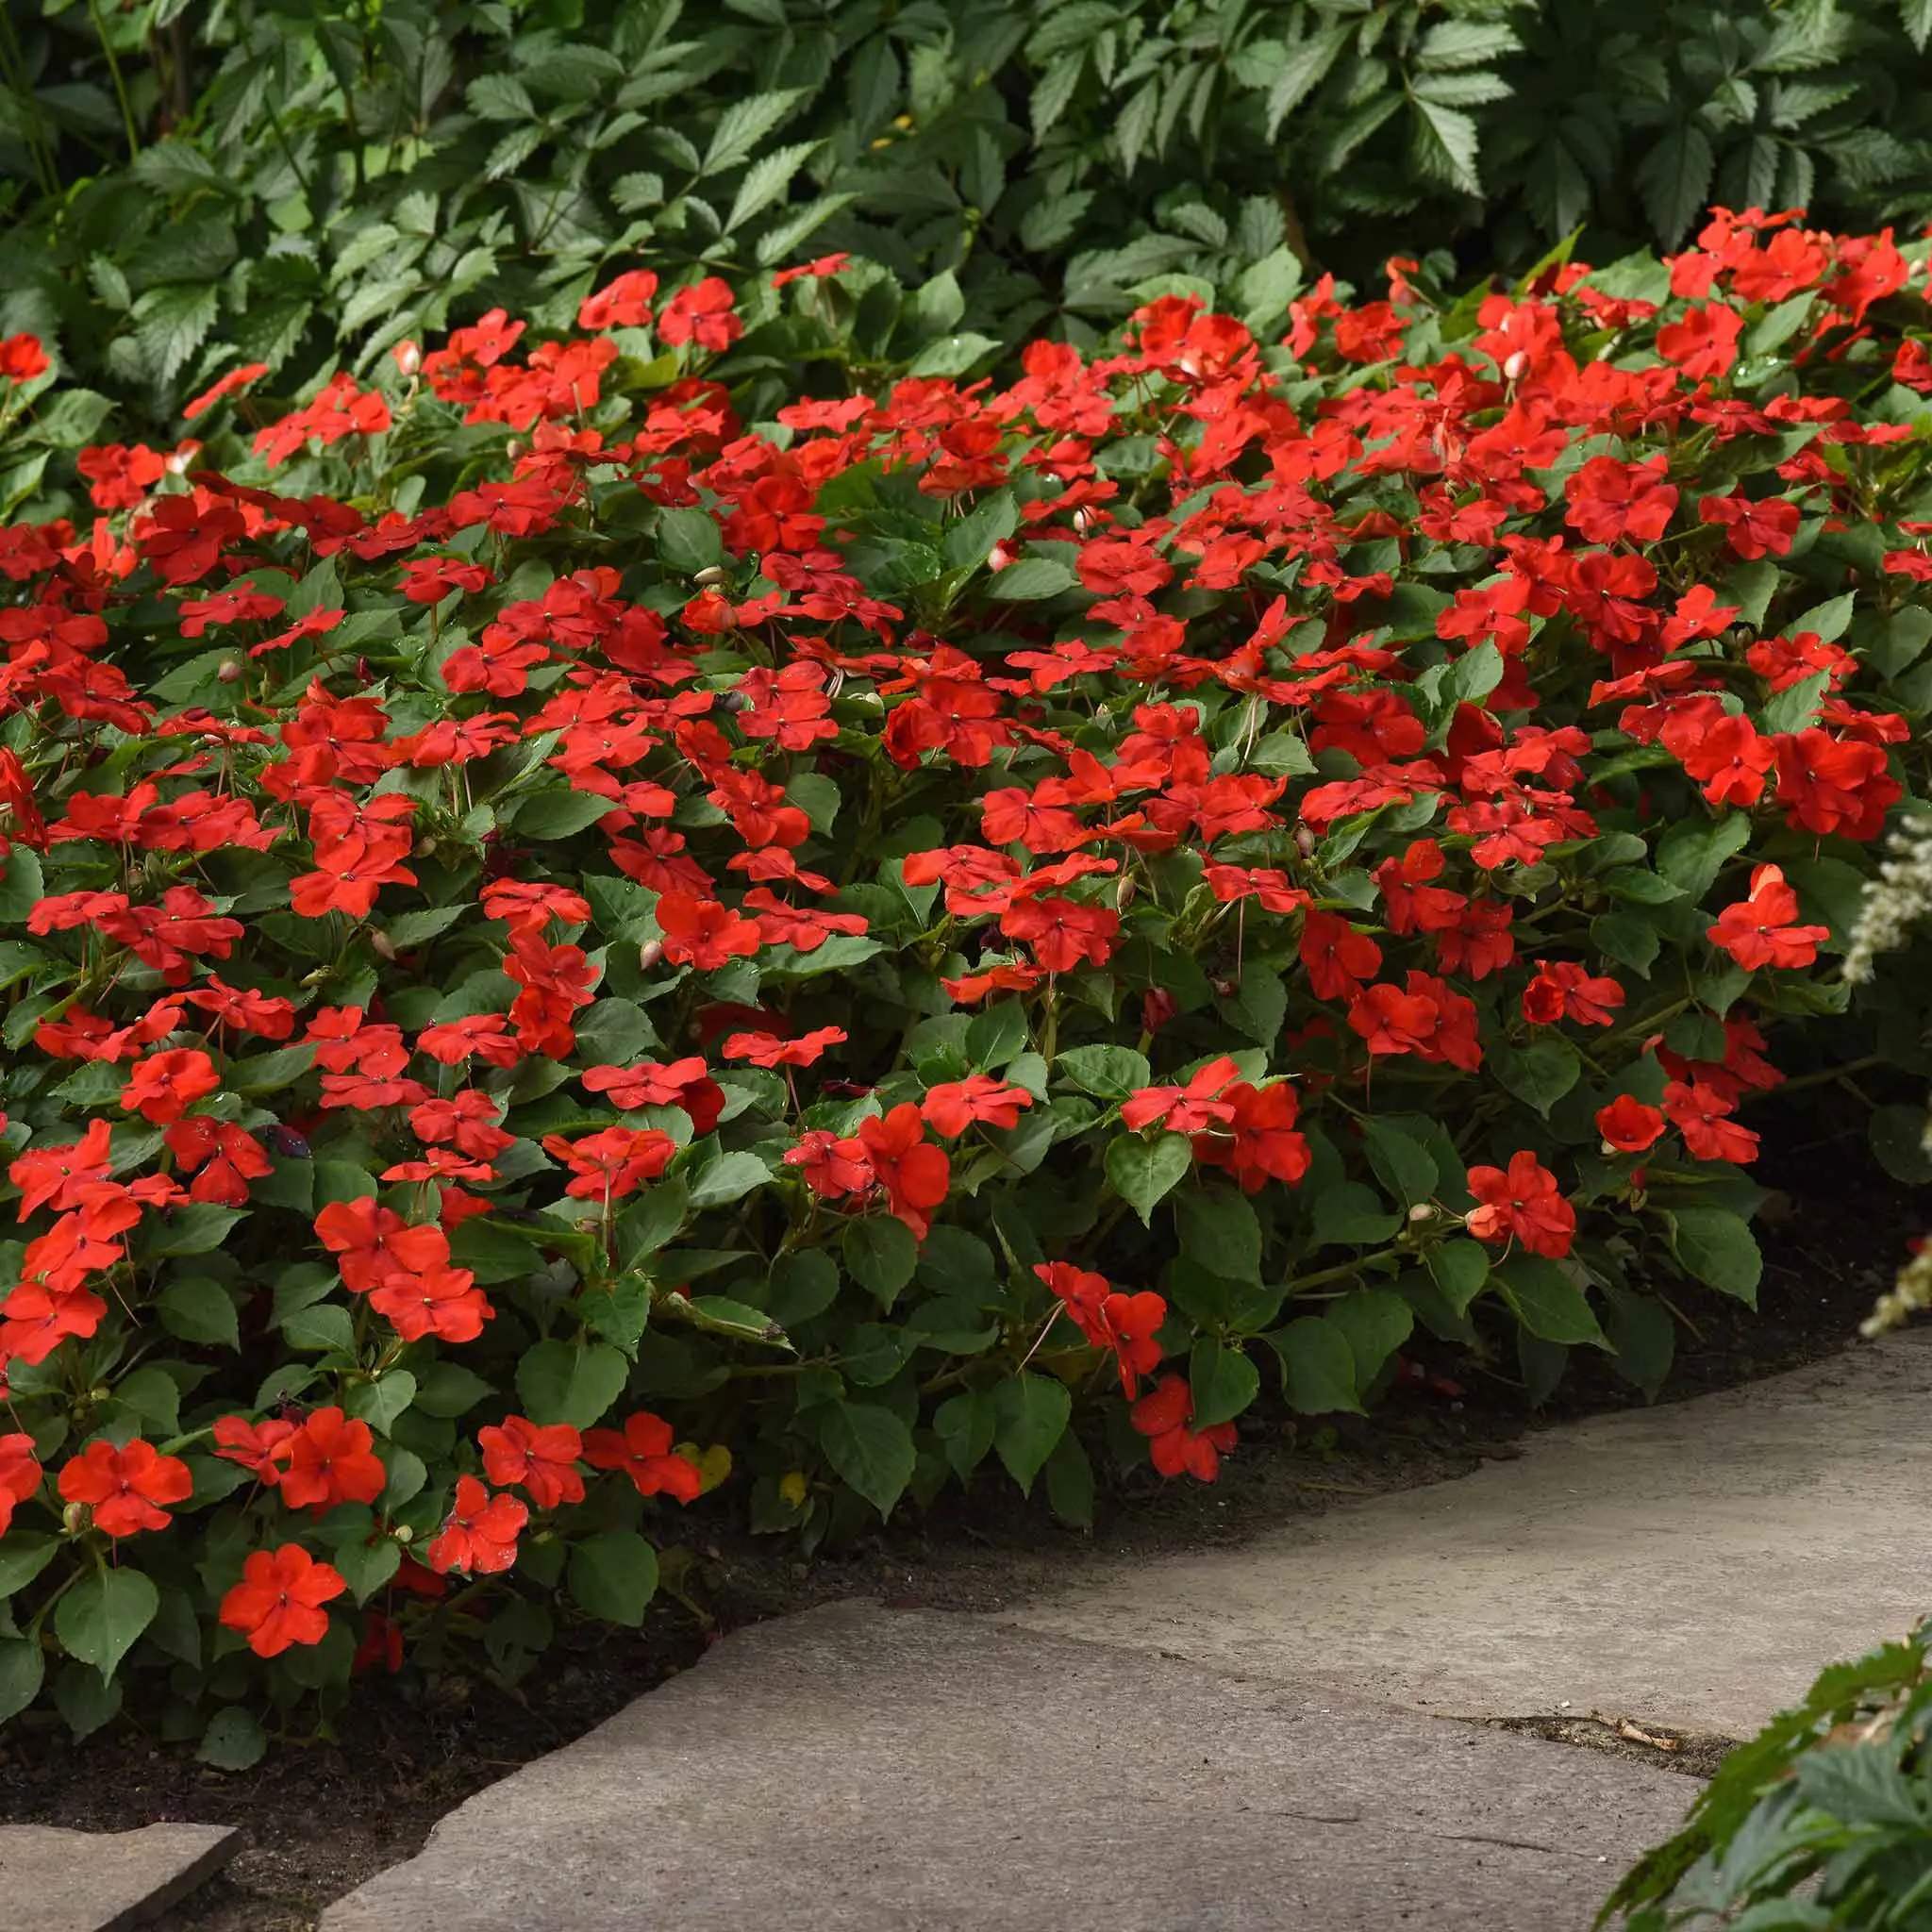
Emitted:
<point x="373" y="1242"/>
<point x="616" y="1162"/>
<point x="1753" y="529"/>
<point x="21" y="358"/>
<point x="1567" y="991"/>
<point x="1758" y="931"/>
<point x="914" y="1174"/>
<point x="832" y="1168"/>
<point x="705" y="315"/>
<point x="479" y="1534"/>
<point x="165" y="1085"/>
<point x="623" y="304"/>
<point x="1126" y="1323"/>
<point x="1628" y="1127"/>
<point x="329" y="1459"/>
<point x="643" y="1452"/>
<point x="702" y="933"/>
<point x="1259" y="1143"/>
<point x="1524" y="1205"/>
<point x="1609" y="500"/>
<point x="444" y="1302"/>
<point x="225" y="385"/>
<point x="1200" y="1105"/>
<point x="543" y="1460"/>
<point x="126" y="1488"/>
<point x="1166" y="1416"/>
<point x="20" y="1474"/>
<point x="770" y="1050"/>
<point x="1702" y="1116"/>
<point x="278" y="1602"/>
<point x="953" y="1106"/>
<point x="1704" y="342"/>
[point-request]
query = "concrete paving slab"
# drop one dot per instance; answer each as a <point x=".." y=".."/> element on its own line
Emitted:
<point x="874" y="1771"/>
<point x="56" y="1880"/>
<point x="1693" y="1564"/>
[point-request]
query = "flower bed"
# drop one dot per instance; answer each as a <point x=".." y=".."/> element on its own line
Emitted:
<point x="586" y="925"/>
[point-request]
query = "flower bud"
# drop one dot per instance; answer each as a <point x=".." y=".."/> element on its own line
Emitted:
<point x="649" y="953"/>
<point x="998" y="557"/>
<point x="403" y="1533"/>
<point x="1422" y="1211"/>
<point x="229" y="671"/>
<point x="712" y="574"/>
<point x="513" y="448"/>
<point x="382" y="946"/>
<point x="74" y="1518"/>
<point x="1517" y="367"/>
<point x="1304" y="840"/>
<point x="409" y="357"/>
<point x="1124" y="893"/>
<point x="176" y="462"/>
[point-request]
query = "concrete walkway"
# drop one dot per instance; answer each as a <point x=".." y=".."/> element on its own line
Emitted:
<point x="1265" y="1736"/>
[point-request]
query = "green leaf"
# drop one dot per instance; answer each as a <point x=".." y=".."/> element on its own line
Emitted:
<point x="1258" y="1004"/>
<point x="613" y="1575"/>
<point x="100" y="1618"/>
<point x="22" y="1669"/>
<point x="1717" y="1248"/>
<point x="689" y="540"/>
<point x="1219" y="1233"/>
<point x="1349" y="1215"/>
<point x="1070" y="1482"/>
<point x="768" y="180"/>
<point x="1547" y="1300"/>
<point x="964" y="1425"/>
<point x="719" y="1315"/>
<point x="1223" y="1382"/>
<point x="1675" y="177"/>
<point x="23" y="1555"/>
<point x="21" y="886"/>
<point x="729" y="1178"/>
<point x="1644" y="1336"/>
<point x="1401" y="1164"/>
<point x="365" y="1566"/>
<point x="1376" y="1323"/>
<point x="1111" y="1073"/>
<point x="563" y="1384"/>
<point x="881" y="1255"/>
<point x="198" y="1310"/>
<point x="555" y="814"/>
<point x="870" y="1449"/>
<point x="1142" y="1172"/>
<point x="1897" y="1136"/>
<point x="448" y="1389"/>
<point x="1031" y="579"/>
<point x="801" y="1287"/>
<point x="233" y="1741"/>
<point x="1305" y="65"/>
<point x="1629" y="939"/>
<point x="1317" y="1367"/>
<point x="1693" y="851"/>
<point x="380" y="1402"/>
<point x="1030" y="1416"/>
<point x="1460" y="1269"/>
<point x="1446" y="144"/>
<point x="744" y="124"/>
<point x="969" y="542"/>
<point x="1538" y="1075"/>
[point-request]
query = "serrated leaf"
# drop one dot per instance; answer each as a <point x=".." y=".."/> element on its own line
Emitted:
<point x="1142" y="1172"/>
<point x="1305" y="65"/>
<point x="1446" y="143"/>
<point x="1673" y="178"/>
<point x="101" y="1618"/>
<point x="870" y="1449"/>
<point x="744" y="124"/>
<point x="768" y="180"/>
<point x="1030" y="1416"/>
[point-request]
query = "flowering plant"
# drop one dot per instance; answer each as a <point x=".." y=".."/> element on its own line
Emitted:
<point x="584" y="928"/>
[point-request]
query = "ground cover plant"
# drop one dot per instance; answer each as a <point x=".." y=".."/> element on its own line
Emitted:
<point x="595" y="928"/>
<point x="310" y="180"/>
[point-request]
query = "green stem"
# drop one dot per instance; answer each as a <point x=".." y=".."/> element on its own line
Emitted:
<point x="93" y="7"/>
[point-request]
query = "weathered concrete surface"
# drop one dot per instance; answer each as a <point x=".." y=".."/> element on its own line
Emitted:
<point x="56" y="1880"/>
<point x="1693" y="1564"/>
<point x="876" y="1770"/>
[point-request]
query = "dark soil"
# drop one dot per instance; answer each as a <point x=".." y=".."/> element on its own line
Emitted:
<point x="321" y="1819"/>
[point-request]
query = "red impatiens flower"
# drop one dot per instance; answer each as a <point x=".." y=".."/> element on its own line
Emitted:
<point x="542" y="1459"/>
<point x="608" y="1166"/>
<point x="772" y="1050"/>
<point x="1525" y="1203"/>
<point x="705" y="314"/>
<point x="280" y="1597"/>
<point x="702" y="933"/>
<point x="20" y="1474"/>
<point x="371" y="1243"/>
<point x="623" y="304"/>
<point x="1628" y="1127"/>
<point x="1759" y="930"/>
<point x="1166" y="1417"/>
<point x="126" y="1487"/>
<point x="329" y="1459"/>
<point x="479" y="1535"/>
<point x="914" y="1174"/>
<point x="642" y="1450"/>
<point x="953" y="1106"/>
<point x="1126" y="1323"/>
<point x="1191" y="1109"/>
<point x="165" y="1085"/>
<point x="444" y="1302"/>
<point x="1562" y="989"/>
<point x="832" y="1168"/>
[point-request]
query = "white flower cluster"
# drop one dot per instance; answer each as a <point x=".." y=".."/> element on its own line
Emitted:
<point x="1896" y="902"/>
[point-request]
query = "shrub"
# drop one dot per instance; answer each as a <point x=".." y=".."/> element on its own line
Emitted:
<point x="295" y="180"/>
<point x="1832" y="1801"/>
<point x="582" y="929"/>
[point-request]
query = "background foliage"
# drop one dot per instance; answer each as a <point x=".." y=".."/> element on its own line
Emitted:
<point x="306" y="181"/>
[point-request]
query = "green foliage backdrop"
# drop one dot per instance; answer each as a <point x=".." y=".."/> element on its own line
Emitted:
<point x="307" y="181"/>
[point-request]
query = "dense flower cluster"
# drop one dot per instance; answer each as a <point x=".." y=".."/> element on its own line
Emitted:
<point x="567" y="949"/>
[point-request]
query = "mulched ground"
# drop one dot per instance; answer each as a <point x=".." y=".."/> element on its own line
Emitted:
<point x="323" y="1818"/>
